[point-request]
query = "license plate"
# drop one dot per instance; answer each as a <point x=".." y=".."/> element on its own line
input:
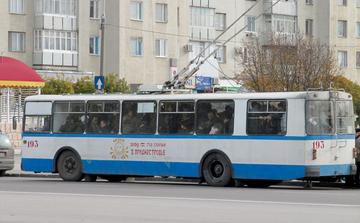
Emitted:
<point x="2" y="154"/>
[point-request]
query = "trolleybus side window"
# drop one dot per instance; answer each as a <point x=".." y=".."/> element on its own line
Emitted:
<point x="266" y="117"/>
<point x="215" y="117"/>
<point x="176" y="117"/>
<point x="37" y="116"/>
<point x="344" y="117"/>
<point x="103" y="117"/>
<point x="69" y="117"/>
<point x="138" y="117"/>
<point x="320" y="118"/>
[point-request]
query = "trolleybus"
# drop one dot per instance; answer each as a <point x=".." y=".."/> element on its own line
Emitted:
<point x="256" y="138"/>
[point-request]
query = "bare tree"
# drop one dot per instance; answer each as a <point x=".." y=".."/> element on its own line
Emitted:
<point x="286" y="64"/>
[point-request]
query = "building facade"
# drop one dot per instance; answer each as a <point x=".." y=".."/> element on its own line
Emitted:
<point x="147" y="42"/>
<point x="336" y="23"/>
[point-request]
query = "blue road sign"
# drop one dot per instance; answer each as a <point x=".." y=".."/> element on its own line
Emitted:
<point x="203" y="83"/>
<point x="99" y="82"/>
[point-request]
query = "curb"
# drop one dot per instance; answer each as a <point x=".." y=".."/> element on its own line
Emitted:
<point x="32" y="175"/>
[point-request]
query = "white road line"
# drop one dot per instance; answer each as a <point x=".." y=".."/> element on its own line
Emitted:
<point x="180" y="199"/>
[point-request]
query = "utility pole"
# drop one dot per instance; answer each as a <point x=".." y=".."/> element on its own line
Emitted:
<point x="102" y="39"/>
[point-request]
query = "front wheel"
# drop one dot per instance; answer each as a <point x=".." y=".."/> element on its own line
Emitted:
<point x="216" y="170"/>
<point x="69" y="167"/>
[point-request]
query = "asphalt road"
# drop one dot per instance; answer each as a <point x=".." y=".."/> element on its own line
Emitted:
<point x="44" y="200"/>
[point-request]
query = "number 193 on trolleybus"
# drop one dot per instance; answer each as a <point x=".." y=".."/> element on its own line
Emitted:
<point x="255" y="138"/>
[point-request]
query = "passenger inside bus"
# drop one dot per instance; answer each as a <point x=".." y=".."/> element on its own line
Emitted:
<point x="205" y="125"/>
<point x="74" y="124"/>
<point x="103" y="127"/>
<point x="216" y="129"/>
<point x="130" y="122"/>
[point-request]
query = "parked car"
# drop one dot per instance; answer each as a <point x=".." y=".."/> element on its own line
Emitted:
<point x="6" y="154"/>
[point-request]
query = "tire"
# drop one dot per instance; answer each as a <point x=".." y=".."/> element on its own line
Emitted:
<point x="2" y="173"/>
<point x="69" y="166"/>
<point x="260" y="183"/>
<point x="114" y="178"/>
<point x="216" y="170"/>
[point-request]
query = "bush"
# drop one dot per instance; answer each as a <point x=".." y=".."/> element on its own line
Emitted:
<point x="84" y="85"/>
<point x="114" y="84"/>
<point x="57" y="86"/>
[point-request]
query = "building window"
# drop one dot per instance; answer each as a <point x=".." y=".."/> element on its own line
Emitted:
<point x="62" y="7"/>
<point x="137" y="46"/>
<point x="221" y="54"/>
<point x="94" y="9"/>
<point x="220" y="21"/>
<point x="342" y="59"/>
<point x="136" y="10"/>
<point x="161" y="12"/>
<point x="55" y="40"/>
<point x="342" y="2"/>
<point x="161" y="48"/>
<point x="358" y="3"/>
<point x="358" y="29"/>
<point x="342" y="28"/>
<point x="16" y="6"/>
<point x="358" y="59"/>
<point x="16" y="41"/>
<point x="309" y="27"/>
<point x="284" y="23"/>
<point x="203" y="17"/>
<point x="309" y="2"/>
<point x="94" y="46"/>
<point x="250" y="23"/>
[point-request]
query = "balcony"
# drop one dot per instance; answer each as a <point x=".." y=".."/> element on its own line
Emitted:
<point x="56" y="22"/>
<point x="283" y="7"/>
<point x="55" y="58"/>
<point x="202" y="33"/>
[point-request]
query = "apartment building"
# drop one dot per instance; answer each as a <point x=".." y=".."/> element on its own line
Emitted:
<point x="148" y="41"/>
<point x="144" y="39"/>
<point x="336" y="23"/>
<point x="55" y="37"/>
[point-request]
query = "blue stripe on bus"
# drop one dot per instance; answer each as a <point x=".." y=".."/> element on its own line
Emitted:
<point x="233" y="137"/>
<point x="183" y="169"/>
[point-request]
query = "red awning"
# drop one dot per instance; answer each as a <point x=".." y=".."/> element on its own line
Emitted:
<point x="16" y="74"/>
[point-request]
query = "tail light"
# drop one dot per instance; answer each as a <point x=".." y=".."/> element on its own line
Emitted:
<point x="314" y="154"/>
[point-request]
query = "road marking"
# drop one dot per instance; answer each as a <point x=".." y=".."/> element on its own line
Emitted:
<point x="180" y="199"/>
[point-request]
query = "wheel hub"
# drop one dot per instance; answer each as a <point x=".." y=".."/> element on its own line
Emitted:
<point x="70" y="165"/>
<point x="217" y="169"/>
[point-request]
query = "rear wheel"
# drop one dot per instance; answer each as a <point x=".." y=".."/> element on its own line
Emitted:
<point x="2" y="173"/>
<point x="216" y="170"/>
<point x="69" y="167"/>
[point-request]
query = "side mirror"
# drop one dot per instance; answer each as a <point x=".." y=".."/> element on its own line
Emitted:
<point x="14" y="123"/>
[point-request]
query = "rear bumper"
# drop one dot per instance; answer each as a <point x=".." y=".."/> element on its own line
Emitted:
<point x="6" y="164"/>
<point x="330" y="170"/>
